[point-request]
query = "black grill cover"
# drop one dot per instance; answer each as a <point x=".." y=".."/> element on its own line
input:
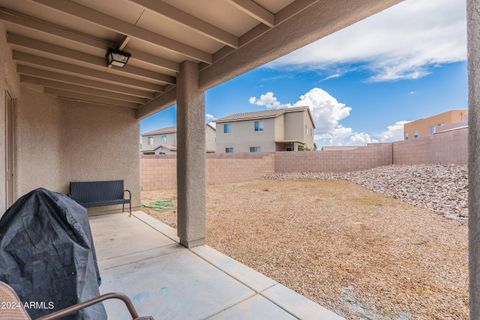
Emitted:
<point x="47" y="254"/>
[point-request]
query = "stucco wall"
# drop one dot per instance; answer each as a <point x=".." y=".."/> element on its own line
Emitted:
<point x="38" y="142"/>
<point x="8" y="81"/>
<point x="100" y="143"/>
<point x="210" y="140"/>
<point x="295" y="126"/>
<point x="244" y="136"/>
<point x="59" y="141"/>
<point x="423" y="125"/>
<point x="171" y="139"/>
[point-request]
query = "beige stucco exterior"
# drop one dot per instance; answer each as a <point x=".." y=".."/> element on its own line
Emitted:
<point x="292" y="130"/>
<point x="161" y="141"/>
<point x="8" y="82"/>
<point x="424" y="126"/>
<point x="58" y="141"/>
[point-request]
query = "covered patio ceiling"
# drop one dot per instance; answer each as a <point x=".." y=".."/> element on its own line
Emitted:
<point x="60" y="45"/>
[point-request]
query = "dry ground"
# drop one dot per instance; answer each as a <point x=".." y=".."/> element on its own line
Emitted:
<point x="354" y="251"/>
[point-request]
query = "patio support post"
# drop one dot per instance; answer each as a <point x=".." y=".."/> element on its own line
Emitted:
<point x="473" y="22"/>
<point x="191" y="190"/>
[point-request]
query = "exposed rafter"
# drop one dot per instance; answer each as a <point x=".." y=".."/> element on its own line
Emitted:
<point x="33" y="23"/>
<point x="90" y="98"/>
<point x="194" y="23"/>
<point x="81" y="89"/>
<point x="283" y="15"/>
<point x="300" y="29"/>
<point x="256" y="11"/>
<point x="26" y="58"/>
<point x="38" y="45"/>
<point x="292" y="9"/>
<point x="62" y="77"/>
<point x="125" y="28"/>
<point x="165" y="100"/>
<point x="321" y="19"/>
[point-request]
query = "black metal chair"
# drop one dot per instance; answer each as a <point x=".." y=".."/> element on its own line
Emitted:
<point x="100" y="193"/>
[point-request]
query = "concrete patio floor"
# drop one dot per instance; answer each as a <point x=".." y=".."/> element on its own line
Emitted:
<point x="141" y="257"/>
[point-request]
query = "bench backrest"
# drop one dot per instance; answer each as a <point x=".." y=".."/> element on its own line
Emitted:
<point x="95" y="191"/>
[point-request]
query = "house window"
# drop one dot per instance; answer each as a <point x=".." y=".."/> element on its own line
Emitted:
<point x="441" y="124"/>
<point x="406" y="135"/>
<point x="229" y="150"/>
<point x="306" y="129"/>
<point x="227" y="128"/>
<point x="259" y="125"/>
<point x="415" y="135"/>
<point x="150" y="141"/>
<point x="255" y="149"/>
<point x="433" y="129"/>
<point x="163" y="139"/>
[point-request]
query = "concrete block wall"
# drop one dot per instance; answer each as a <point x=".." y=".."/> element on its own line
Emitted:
<point x="159" y="172"/>
<point x="446" y="147"/>
<point x="361" y="158"/>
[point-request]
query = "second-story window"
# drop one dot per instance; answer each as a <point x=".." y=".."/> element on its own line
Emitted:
<point x="229" y="150"/>
<point x="163" y="139"/>
<point x="255" y="149"/>
<point x="258" y="125"/>
<point x="415" y="134"/>
<point x="227" y="128"/>
<point x="150" y="140"/>
<point x="406" y="135"/>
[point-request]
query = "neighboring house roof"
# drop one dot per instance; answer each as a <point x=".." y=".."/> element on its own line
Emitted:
<point x="167" y="131"/>
<point x="244" y="116"/>
<point x="160" y="131"/>
<point x="161" y="145"/>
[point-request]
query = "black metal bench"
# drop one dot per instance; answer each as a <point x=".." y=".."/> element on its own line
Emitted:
<point x="100" y="193"/>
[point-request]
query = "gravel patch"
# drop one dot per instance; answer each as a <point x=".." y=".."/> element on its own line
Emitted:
<point x="440" y="188"/>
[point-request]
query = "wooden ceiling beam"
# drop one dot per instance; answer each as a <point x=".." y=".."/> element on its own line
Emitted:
<point x="62" y="77"/>
<point x="26" y="58"/>
<point x="103" y="20"/>
<point x="321" y="19"/>
<point x="90" y="98"/>
<point x="80" y="89"/>
<point x="255" y="11"/>
<point x="29" y="43"/>
<point x="43" y="26"/>
<point x="172" y="13"/>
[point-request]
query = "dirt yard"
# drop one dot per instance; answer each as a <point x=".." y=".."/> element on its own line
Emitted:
<point x="356" y="252"/>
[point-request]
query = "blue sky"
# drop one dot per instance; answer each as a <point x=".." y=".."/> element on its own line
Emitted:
<point x="360" y="91"/>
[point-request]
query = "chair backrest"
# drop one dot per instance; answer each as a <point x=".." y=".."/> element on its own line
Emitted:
<point x="12" y="307"/>
<point x="94" y="191"/>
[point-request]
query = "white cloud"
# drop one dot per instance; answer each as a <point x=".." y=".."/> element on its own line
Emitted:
<point x="402" y="42"/>
<point x="210" y="117"/>
<point x="268" y="100"/>
<point x="327" y="112"/>
<point x="394" y="132"/>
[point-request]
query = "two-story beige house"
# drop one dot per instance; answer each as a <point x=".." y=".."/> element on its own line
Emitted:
<point x="288" y="129"/>
<point x="164" y="141"/>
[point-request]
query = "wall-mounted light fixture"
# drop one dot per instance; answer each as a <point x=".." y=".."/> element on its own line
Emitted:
<point x="117" y="58"/>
